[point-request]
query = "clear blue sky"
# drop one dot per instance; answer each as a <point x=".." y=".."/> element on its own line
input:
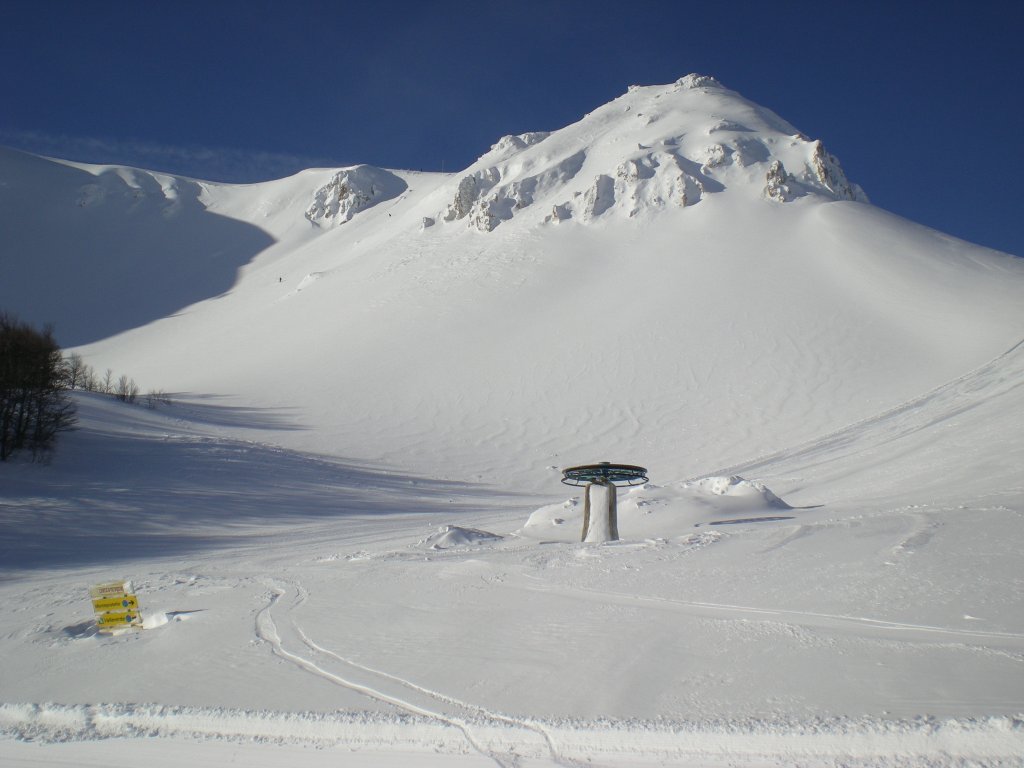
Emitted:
<point x="922" y="102"/>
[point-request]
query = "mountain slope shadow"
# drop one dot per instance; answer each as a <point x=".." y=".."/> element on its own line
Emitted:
<point x="98" y="254"/>
<point x="133" y="483"/>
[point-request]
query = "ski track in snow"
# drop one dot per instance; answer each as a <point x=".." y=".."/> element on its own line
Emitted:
<point x="408" y="696"/>
<point x="505" y="739"/>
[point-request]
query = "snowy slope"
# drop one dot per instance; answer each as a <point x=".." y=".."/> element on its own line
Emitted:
<point x="675" y="313"/>
<point x="354" y="505"/>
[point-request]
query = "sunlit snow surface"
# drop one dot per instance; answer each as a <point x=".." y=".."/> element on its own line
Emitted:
<point x="347" y="531"/>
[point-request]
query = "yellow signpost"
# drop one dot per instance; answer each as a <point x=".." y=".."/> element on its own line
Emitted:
<point x="115" y="606"/>
<point x="118" y="620"/>
<point x="127" y="602"/>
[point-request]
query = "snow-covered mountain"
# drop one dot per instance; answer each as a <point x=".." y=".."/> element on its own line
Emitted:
<point x="680" y="279"/>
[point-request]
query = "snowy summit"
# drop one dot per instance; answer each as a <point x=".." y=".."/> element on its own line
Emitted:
<point x="652" y="148"/>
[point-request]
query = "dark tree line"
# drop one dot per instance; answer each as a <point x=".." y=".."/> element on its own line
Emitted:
<point x="34" y="382"/>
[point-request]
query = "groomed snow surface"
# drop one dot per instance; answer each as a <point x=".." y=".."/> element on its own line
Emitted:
<point x="346" y="528"/>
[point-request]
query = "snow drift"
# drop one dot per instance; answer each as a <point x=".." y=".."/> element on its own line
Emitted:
<point x="653" y="512"/>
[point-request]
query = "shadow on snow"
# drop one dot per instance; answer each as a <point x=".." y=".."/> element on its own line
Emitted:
<point x="112" y="495"/>
<point x="114" y="250"/>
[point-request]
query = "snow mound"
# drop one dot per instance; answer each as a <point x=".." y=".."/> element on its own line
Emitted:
<point x="666" y="512"/>
<point x="452" y="536"/>
<point x="350" y="191"/>
<point x="736" y="488"/>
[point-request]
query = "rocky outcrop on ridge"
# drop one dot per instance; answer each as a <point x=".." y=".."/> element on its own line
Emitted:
<point x="654" y="148"/>
<point x="350" y="191"/>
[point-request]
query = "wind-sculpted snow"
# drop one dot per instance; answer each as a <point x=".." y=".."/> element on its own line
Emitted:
<point x="98" y="250"/>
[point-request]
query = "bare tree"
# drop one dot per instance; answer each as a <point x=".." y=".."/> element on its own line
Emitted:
<point x="126" y="390"/>
<point x="89" y="381"/>
<point x="34" y="405"/>
<point x="78" y="371"/>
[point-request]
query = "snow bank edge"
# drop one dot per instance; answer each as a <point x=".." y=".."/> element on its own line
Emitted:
<point x="938" y="741"/>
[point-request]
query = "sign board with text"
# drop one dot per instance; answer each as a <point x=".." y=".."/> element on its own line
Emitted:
<point x="116" y="606"/>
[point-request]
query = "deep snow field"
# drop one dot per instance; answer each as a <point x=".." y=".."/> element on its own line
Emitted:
<point x="346" y="529"/>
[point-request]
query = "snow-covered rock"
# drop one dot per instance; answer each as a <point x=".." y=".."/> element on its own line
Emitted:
<point x="777" y="184"/>
<point x="350" y="191"/>
<point x="587" y="171"/>
<point x="827" y="171"/>
<point x="694" y="80"/>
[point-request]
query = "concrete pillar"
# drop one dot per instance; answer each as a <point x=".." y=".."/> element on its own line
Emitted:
<point x="600" y="515"/>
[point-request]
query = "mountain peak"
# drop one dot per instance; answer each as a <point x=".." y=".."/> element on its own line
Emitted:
<point x="693" y="80"/>
<point x="653" y="148"/>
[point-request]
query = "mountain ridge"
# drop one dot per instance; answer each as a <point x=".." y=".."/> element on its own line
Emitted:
<point x="610" y="286"/>
<point x="669" y="166"/>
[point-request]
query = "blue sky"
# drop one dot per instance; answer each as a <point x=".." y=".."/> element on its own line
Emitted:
<point x="922" y="102"/>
